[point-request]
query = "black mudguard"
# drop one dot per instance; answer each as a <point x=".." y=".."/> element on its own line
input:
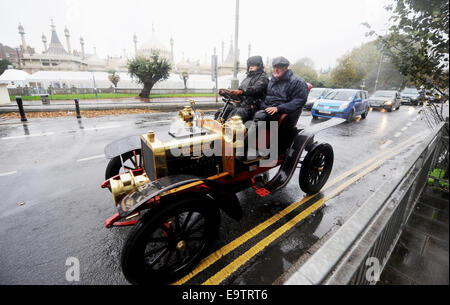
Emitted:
<point x="226" y="201"/>
<point x="122" y="146"/>
<point x="302" y="141"/>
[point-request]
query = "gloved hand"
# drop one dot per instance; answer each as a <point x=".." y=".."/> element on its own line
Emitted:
<point x="223" y="91"/>
<point x="236" y="92"/>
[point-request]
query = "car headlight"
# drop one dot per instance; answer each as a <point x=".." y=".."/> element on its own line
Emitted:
<point x="388" y="103"/>
<point x="344" y="105"/>
<point x="316" y="104"/>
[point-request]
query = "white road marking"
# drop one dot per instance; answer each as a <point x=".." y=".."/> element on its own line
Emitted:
<point x="91" y="158"/>
<point x="101" y="127"/>
<point x="389" y="142"/>
<point x="8" y="173"/>
<point x="157" y="122"/>
<point x="398" y="134"/>
<point x="404" y="128"/>
<point x="29" y="136"/>
<point x="409" y="124"/>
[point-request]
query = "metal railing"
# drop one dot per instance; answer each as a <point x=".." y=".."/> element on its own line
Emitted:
<point x="359" y="250"/>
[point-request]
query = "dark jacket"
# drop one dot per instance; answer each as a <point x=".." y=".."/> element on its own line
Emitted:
<point x="288" y="94"/>
<point x="255" y="84"/>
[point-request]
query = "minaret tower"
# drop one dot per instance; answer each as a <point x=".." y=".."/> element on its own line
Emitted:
<point x="44" y="41"/>
<point x="171" y="49"/>
<point x="83" y="55"/>
<point x="135" y="44"/>
<point x="22" y="35"/>
<point x="67" y="34"/>
<point x="223" y="51"/>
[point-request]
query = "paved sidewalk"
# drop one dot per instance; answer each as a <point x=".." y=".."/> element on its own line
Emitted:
<point x="110" y="104"/>
<point x="421" y="255"/>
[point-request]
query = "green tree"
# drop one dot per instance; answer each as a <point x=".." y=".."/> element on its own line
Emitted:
<point x="346" y="74"/>
<point x="4" y="63"/>
<point x="184" y="76"/>
<point x="364" y="64"/>
<point x="417" y="42"/>
<point x="114" y="78"/>
<point x="304" y="68"/>
<point x="149" y="71"/>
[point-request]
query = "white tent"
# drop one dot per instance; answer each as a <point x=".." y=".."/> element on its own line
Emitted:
<point x="14" y="78"/>
<point x="68" y="79"/>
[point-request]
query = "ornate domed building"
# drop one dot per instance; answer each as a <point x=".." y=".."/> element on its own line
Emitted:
<point x="154" y="45"/>
<point x="57" y="58"/>
<point x="54" y="58"/>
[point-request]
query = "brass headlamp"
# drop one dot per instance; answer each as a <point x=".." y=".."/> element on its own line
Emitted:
<point x="186" y="115"/>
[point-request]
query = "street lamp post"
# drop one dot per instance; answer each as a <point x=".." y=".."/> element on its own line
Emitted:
<point x="235" y="81"/>
<point x="378" y="72"/>
<point x="95" y="86"/>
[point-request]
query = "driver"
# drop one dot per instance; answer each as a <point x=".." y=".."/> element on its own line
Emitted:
<point x="286" y="94"/>
<point x="251" y="91"/>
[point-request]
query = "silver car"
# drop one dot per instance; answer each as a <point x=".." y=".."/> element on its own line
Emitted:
<point x="385" y="99"/>
<point x="314" y="95"/>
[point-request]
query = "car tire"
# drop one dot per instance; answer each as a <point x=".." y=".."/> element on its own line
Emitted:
<point x="115" y="164"/>
<point x="365" y="114"/>
<point x="316" y="168"/>
<point x="170" y="221"/>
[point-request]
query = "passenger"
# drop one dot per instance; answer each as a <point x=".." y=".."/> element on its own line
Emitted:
<point x="250" y="93"/>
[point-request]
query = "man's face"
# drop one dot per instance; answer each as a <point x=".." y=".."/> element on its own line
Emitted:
<point x="252" y="68"/>
<point x="279" y="71"/>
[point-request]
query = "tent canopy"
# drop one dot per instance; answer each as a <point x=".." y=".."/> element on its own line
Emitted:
<point x="84" y="79"/>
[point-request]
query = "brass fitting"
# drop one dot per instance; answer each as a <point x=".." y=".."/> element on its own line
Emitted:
<point x="126" y="184"/>
<point x="150" y="136"/>
<point x="235" y="131"/>
<point x="186" y="115"/>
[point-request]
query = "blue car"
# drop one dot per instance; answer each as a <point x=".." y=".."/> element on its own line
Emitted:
<point x="342" y="103"/>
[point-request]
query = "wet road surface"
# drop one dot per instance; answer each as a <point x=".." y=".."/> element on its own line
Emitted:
<point x="53" y="208"/>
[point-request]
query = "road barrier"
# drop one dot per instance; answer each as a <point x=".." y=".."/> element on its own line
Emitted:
<point x="77" y="108"/>
<point x="358" y="251"/>
<point x="19" y="102"/>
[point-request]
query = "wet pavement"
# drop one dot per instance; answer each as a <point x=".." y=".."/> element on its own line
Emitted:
<point x="165" y="104"/>
<point x="53" y="207"/>
<point x="421" y="255"/>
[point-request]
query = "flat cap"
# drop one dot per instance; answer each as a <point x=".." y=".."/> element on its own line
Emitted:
<point x="280" y="61"/>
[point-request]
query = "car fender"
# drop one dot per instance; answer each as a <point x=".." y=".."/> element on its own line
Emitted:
<point x="149" y="196"/>
<point x="303" y="141"/>
<point x="122" y="146"/>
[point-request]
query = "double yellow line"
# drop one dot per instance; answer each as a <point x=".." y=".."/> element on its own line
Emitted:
<point x="217" y="278"/>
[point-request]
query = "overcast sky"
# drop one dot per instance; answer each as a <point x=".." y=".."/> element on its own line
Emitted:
<point x="323" y="30"/>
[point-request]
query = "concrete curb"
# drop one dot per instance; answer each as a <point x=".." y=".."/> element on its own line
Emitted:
<point x="87" y="107"/>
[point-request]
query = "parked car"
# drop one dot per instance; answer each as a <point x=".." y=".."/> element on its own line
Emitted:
<point x="342" y="103"/>
<point x="433" y="96"/>
<point x="314" y="95"/>
<point x="385" y="99"/>
<point x="410" y="96"/>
